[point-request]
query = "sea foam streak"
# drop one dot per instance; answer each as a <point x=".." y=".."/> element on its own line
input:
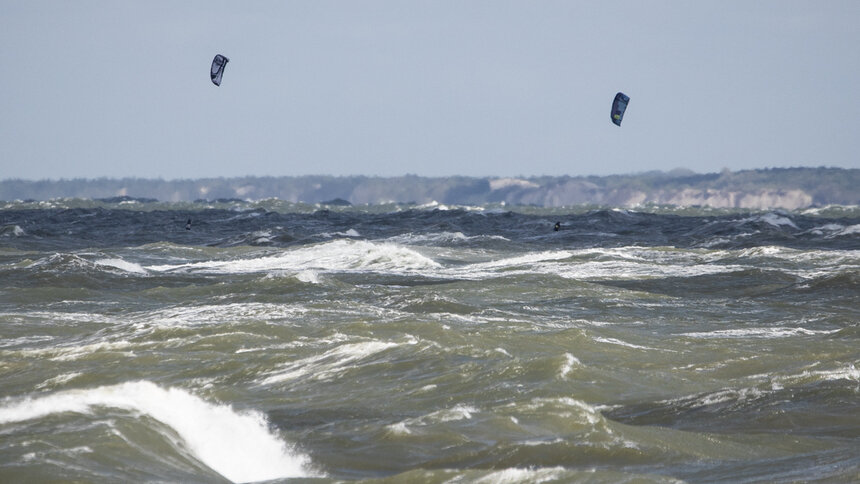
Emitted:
<point x="330" y="363"/>
<point x="239" y="446"/>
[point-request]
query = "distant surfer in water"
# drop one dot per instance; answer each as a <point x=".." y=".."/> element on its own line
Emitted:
<point x="188" y="225"/>
<point x="557" y="226"/>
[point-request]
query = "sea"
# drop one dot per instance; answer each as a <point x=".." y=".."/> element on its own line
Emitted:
<point x="270" y="341"/>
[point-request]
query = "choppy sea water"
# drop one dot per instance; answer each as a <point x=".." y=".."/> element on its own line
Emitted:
<point x="400" y="343"/>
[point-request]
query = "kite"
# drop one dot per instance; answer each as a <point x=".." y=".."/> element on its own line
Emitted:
<point x="619" y="105"/>
<point x="218" y="65"/>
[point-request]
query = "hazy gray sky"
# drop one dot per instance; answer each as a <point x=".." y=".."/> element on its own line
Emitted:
<point x="434" y="88"/>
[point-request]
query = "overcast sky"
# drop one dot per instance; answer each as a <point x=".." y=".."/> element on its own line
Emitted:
<point x="433" y="88"/>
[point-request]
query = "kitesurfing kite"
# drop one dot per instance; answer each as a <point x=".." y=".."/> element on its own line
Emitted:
<point x="218" y="65"/>
<point x="619" y="105"/>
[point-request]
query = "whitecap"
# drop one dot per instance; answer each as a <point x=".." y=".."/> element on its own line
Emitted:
<point x="311" y="277"/>
<point x="850" y="230"/>
<point x="570" y="362"/>
<point x="348" y="233"/>
<point x="457" y="412"/>
<point x="238" y="445"/>
<point x="443" y="238"/>
<point x="11" y="231"/>
<point x="591" y="414"/>
<point x="122" y="265"/>
<point x="261" y="237"/>
<point x="771" y="219"/>
<point x="338" y="255"/>
<point x="516" y="476"/>
<point x="827" y="228"/>
<point x="398" y="428"/>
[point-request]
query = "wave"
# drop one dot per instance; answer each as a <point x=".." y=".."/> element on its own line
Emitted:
<point x="596" y="264"/>
<point x="358" y="256"/>
<point x="338" y="255"/>
<point x="842" y="282"/>
<point x="122" y="265"/>
<point x="444" y="238"/>
<point x="768" y="333"/>
<point x="238" y="445"/>
<point x="850" y="230"/>
<point x="348" y="233"/>
<point x="668" y="270"/>
<point x="772" y="403"/>
<point x="530" y="228"/>
<point x="75" y="264"/>
<point x="71" y="270"/>
<point x="11" y="231"/>
<point x="770" y="218"/>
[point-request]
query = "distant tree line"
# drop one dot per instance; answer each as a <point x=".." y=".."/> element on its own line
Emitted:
<point x="768" y="188"/>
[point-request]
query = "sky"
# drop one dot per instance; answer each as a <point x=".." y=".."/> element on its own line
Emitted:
<point x="495" y="88"/>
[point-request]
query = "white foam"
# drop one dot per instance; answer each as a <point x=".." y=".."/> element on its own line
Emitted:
<point x="778" y="332"/>
<point x="616" y="341"/>
<point x="442" y="237"/>
<point x="570" y="361"/>
<point x="591" y="414"/>
<point x="398" y="428"/>
<point x="329" y="364"/>
<point x="827" y="228"/>
<point x="262" y="237"/>
<point x="717" y="397"/>
<point x="616" y="263"/>
<point x="848" y="372"/>
<point x="58" y="380"/>
<point x="184" y="316"/>
<point x="237" y="445"/>
<point x="358" y="256"/>
<point x="504" y="352"/>
<point x="850" y="230"/>
<point x="311" y="277"/>
<point x="772" y="219"/>
<point x="11" y="231"/>
<point x="338" y="255"/>
<point x="517" y="476"/>
<point x="805" y="264"/>
<point x="348" y="233"/>
<point x="71" y="353"/>
<point x="456" y="413"/>
<point x="433" y="205"/>
<point x="122" y="265"/>
<point x="24" y="340"/>
<point x="765" y="251"/>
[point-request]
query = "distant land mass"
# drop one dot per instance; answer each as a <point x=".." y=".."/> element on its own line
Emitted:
<point x="786" y="188"/>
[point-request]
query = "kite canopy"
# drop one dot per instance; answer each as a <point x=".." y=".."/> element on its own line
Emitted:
<point x="218" y="64"/>
<point x="619" y="105"/>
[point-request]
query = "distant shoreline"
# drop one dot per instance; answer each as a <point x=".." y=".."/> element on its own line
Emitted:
<point x="786" y="188"/>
